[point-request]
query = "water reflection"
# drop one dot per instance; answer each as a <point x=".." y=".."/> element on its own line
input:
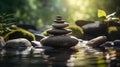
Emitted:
<point x="82" y="57"/>
<point x="60" y="57"/>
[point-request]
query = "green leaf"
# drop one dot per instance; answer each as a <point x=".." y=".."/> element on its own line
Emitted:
<point x="101" y="14"/>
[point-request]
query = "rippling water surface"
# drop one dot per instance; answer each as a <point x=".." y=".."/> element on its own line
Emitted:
<point x="83" y="57"/>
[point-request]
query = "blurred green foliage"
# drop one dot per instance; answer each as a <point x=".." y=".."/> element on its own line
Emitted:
<point x="40" y="12"/>
<point x="6" y="20"/>
<point x="101" y="15"/>
<point x="115" y="16"/>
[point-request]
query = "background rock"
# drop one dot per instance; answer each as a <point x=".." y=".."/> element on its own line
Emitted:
<point x="95" y="29"/>
<point x="96" y="42"/>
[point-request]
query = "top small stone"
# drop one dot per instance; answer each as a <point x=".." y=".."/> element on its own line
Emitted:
<point x="59" y="20"/>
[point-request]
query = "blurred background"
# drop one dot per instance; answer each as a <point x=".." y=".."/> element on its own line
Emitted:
<point x="43" y="12"/>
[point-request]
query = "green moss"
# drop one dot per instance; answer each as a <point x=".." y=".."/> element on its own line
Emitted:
<point x="45" y="33"/>
<point x="112" y="29"/>
<point x="76" y="31"/>
<point x="19" y="33"/>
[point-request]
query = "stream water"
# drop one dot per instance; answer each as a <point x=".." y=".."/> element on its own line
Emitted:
<point x="83" y="57"/>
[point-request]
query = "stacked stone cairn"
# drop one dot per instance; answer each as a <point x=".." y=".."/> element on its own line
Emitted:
<point x="59" y="36"/>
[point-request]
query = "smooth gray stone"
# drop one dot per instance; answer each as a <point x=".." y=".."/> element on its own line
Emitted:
<point x="61" y="41"/>
<point x="59" y="31"/>
<point x="96" y="42"/>
<point x="17" y="46"/>
<point x="2" y="42"/>
<point x="60" y="25"/>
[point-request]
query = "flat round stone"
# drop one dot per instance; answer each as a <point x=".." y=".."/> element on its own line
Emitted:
<point x="60" y="25"/>
<point x="61" y="41"/>
<point x="59" y="31"/>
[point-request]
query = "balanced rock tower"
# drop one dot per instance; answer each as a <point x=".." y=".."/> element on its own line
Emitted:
<point x="59" y="36"/>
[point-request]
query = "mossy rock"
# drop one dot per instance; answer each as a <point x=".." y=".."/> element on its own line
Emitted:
<point x="76" y="31"/>
<point x="113" y="29"/>
<point x="113" y="32"/>
<point x="45" y="33"/>
<point x="19" y="33"/>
